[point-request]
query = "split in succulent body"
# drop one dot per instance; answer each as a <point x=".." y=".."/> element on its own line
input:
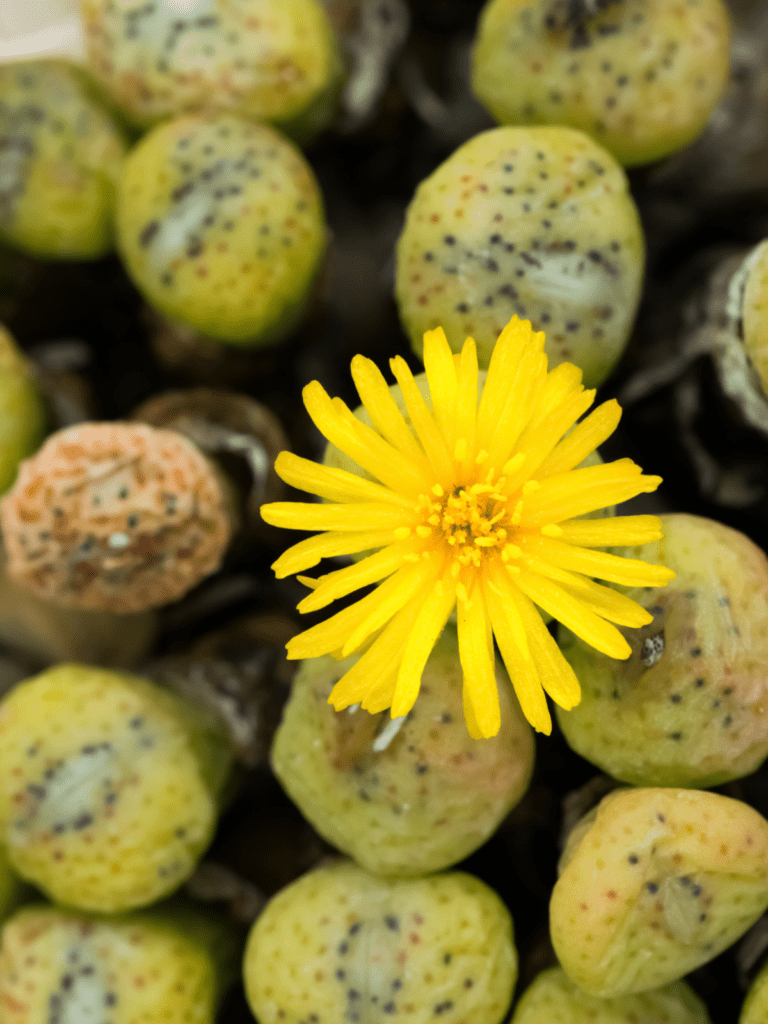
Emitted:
<point x="690" y="706"/>
<point x="641" y="77"/>
<point x="270" y="60"/>
<point x="413" y="803"/>
<point x="60" y="156"/>
<point x="109" y="786"/>
<point x="655" y="883"/>
<point x="535" y="222"/>
<point x="221" y="225"/>
<point x="341" y="945"/>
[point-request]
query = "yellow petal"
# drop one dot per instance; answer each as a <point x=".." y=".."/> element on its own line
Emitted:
<point x="362" y="444"/>
<point x="333" y="484"/>
<point x="308" y="553"/>
<point x="628" y="531"/>
<point x="443" y="384"/>
<point x="508" y="627"/>
<point x="466" y="402"/>
<point x="629" y="572"/>
<point x="537" y="441"/>
<point x="574" y="614"/>
<point x="583" y="439"/>
<point x="376" y="664"/>
<point x="410" y="580"/>
<point x="513" y="343"/>
<point x="427" y="627"/>
<point x="521" y="396"/>
<point x="299" y="515"/>
<point x="382" y="408"/>
<point x="556" y="675"/>
<point x="584" y="490"/>
<point x="561" y="384"/>
<point x="329" y="635"/>
<point x="477" y="662"/>
<point x="427" y="430"/>
<point x="352" y="577"/>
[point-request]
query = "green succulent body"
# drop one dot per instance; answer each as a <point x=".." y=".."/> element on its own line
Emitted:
<point x="689" y="707"/>
<point x="654" y="884"/>
<point x="339" y="944"/>
<point x="22" y="412"/>
<point x="59" y="163"/>
<point x="537" y="222"/>
<point x="552" y="998"/>
<point x="642" y="78"/>
<point x="109" y="786"/>
<point x="221" y="226"/>
<point x="425" y="801"/>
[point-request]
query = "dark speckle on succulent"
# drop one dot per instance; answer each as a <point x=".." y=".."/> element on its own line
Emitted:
<point x="560" y="257"/>
<point x="643" y="88"/>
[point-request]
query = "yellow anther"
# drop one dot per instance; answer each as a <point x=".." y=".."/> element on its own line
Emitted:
<point x="552" y="530"/>
<point x="512" y="569"/>
<point x="434" y="520"/>
<point x="510" y="551"/>
<point x="402" y="533"/>
<point x="460" y="451"/>
<point x="485" y="542"/>
<point x="423" y="531"/>
<point x="514" y="463"/>
<point x="481" y="488"/>
<point x="455" y="569"/>
<point x="481" y="456"/>
<point x="530" y="486"/>
<point x="438" y="491"/>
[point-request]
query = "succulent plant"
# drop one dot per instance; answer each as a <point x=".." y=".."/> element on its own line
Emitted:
<point x="172" y="964"/>
<point x="654" y="883"/>
<point x="642" y="79"/>
<point x="109" y="786"/>
<point x="552" y="998"/>
<point x="403" y="804"/>
<point x="115" y="516"/>
<point x="22" y="412"/>
<point x="221" y="226"/>
<point x="688" y="707"/>
<point x="270" y="60"/>
<point x="754" y="313"/>
<point x="755" y="1008"/>
<point x="531" y="221"/>
<point x="339" y="944"/>
<point x="12" y="889"/>
<point x="60" y="156"/>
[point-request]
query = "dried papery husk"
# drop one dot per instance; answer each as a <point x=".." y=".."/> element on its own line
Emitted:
<point x="228" y="427"/>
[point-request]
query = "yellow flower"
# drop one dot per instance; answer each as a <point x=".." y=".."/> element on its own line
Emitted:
<point x="476" y="508"/>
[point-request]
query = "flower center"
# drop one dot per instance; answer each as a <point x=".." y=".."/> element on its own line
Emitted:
<point x="473" y="520"/>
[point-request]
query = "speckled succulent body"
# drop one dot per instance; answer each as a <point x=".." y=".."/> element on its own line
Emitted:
<point x="754" y="313"/>
<point x="221" y="225"/>
<point x="655" y="883"/>
<point x="690" y="706"/>
<point x="340" y="945"/>
<point x="536" y="222"/>
<point x="426" y="800"/>
<point x="61" y="967"/>
<point x="552" y="998"/>
<point x="108" y="786"/>
<point x="22" y="413"/>
<point x="115" y="516"/>
<point x="640" y="76"/>
<point x="271" y="60"/>
<point x="60" y="155"/>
